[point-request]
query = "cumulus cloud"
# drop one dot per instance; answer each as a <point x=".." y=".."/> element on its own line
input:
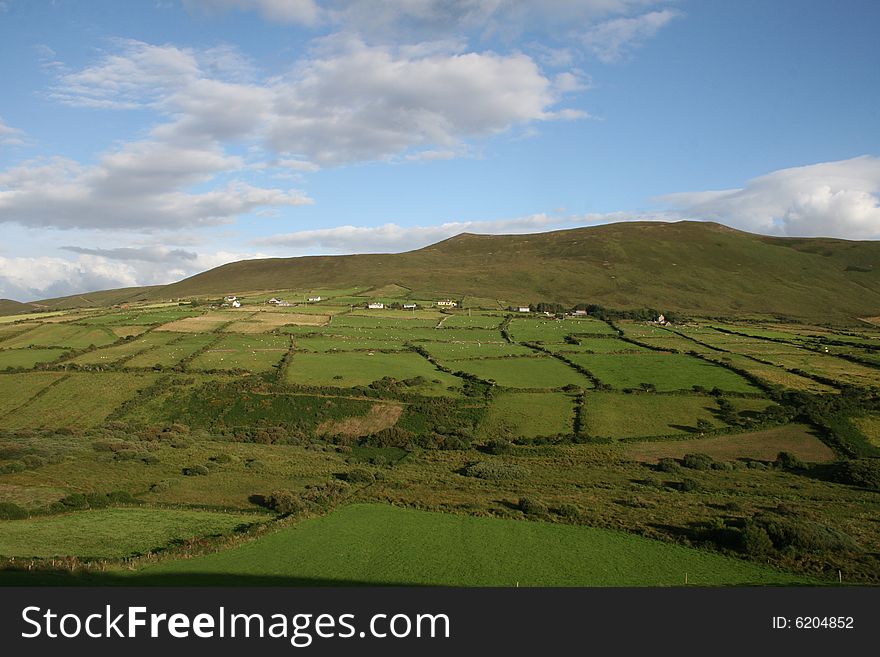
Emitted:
<point x="344" y="102"/>
<point x="29" y="279"/>
<point x="830" y="199"/>
<point x="612" y="40"/>
<point x="10" y="136"/>
<point x="142" y="186"/>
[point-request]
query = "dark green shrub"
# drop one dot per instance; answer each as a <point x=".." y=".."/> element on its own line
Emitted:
<point x="788" y="461"/>
<point x="570" y="511"/>
<point x="864" y="473"/>
<point x="11" y="467"/>
<point x="359" y="476"/>
<point x="493" y="470"/>
<point x="10" y="511"/>
<point x="498" y="446"/>
<point x="286" y="502"/>
<point x="532" y="507"/>
<point x="97" y="500"/>
<point x="698" y="461"/>
<point x="73" y="502"/>
<point x="689" y="485"/>
<point x="804" y="535"/>
<point x="195" y="471"/>
<point x="667" y="464"/>
<point x="754" y="540"/>
<point x="122" y="497"/>
<point x="221" y="458"/>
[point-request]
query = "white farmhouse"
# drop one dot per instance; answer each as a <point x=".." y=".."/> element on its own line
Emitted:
<point x="523" y="309"/>
<point x="409" y="306"/>
<point x="314" y="298"/>
<point x="446" y="303"/>
<point x="376" y="305"/>
<point x="236" y="303"/>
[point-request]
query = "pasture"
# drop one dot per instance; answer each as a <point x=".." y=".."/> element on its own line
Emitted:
<point x="552" y="330"/>
<point x="349" y="369"/>
<point x="18" y="389"/>
<point x="112" y="533"/>
<point x="27" y="358"/>
<point x="120" y="352"/>
<point x="180" y="347"/>
<point x="61" y="335"/>
<point x="620" y="415"/>
<point x="664" y="371"/>
<point x="527" y="415"/>
<point x="523" y="372"/>
<point x="256" y="353"/>
<point x="381" y="544"/>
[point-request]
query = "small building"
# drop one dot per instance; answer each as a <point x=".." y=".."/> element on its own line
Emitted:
<point x="409" y="306"/>
<point x="236" y="303"/>
<point x="376" y="305"/>
<point x="446" y="303"/>
<point x="230" y="298"/>
<point x="274" y="301"/>
<point x="314" y="298"/>
<point x="523" y="309"/>
<point x="579" y="313"/>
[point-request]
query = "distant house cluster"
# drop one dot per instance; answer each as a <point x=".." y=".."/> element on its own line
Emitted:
<point x="275" y="301"/>
<point x="446" y="303"/>
<point x="233" y="301"/>
<point x="314" y="298"/>
<point x="376" y="305"/>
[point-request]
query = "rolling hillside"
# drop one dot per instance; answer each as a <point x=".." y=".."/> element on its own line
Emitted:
<point x="692" y="267"/>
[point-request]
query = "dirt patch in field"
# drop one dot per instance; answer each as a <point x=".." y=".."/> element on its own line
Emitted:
<point x="30" y="497"/>
<point x="761" y="445"/>
<point x="380" y="416"/>
<point x="265" y="321"/>
<point x="200" y="324"/>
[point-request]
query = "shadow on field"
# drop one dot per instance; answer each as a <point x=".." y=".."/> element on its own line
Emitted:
<point x="66" y="578"/>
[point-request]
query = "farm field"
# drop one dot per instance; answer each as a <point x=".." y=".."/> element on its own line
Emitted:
<point x="27" y="358"/>
<point x="619" y="415"/>
<point x="527" y="415"/>
<point x="258" y="353"/>
<point x="169" y="354"/>
<point x="358" y="369"/>
<point x="239" y="405"/>
<point x="112" y="533"/>
<point x="65" y="404"/>
<point x="764" y="445"/>
<point x="552" y="330"/>
<point x="523" y="372"/>
<point x="61" y="335"/>
<point x="664" y="371"/>
<point x="379" y="544"/>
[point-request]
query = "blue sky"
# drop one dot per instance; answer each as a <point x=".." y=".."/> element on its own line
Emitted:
<point x="141" y="142"/>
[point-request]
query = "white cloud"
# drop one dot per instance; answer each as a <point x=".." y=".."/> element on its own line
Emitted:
<point x="831" y="199"/>
<point x="612" y="40"/>
<point x="29" y="279"/>
<point x="139" y="187"/>
<point x="345" y="102"/>
<point x="10" y="136"/>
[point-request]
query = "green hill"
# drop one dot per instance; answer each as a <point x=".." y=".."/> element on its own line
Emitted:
<point x="694" y="267"/>
<point x="689" y="266"/>
<point x="11" y="307"/>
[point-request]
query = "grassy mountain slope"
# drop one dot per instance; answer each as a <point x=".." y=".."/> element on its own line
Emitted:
<point x="689" y="266"/>
<point x="11" y="307"/>
<point x="693" y="267"/>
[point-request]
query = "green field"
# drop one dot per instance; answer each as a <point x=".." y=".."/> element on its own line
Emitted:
<point x="27" y="358"/>
<point x="523" y="372"/>
<point x="609" y="345"/>
<point x="79" y="400"/>
<point x="112" y="533"/>
<point x="62" y="335"/>
<point x="345" y="370"/>
<point x="18" y="389"/>
<point x="454" y="351"/>
<point x="127" y="349"/>
<point x="378" y="544"/>
<point x="552" y="330"/>
<point x="665" y="371"/>
<point x="255" y="353"/>
<point x="171" y="353"/>
<point x="528" y="414"/>
<point x="327" y="342"/>
<point x="617" y="415"/>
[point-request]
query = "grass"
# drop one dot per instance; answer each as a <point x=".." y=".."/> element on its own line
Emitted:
<point x="210" y="321"/>
<point x="598" y="346"/>
<point x="325" y="343"/>
<point x="525" y="372"/>
<point x="763" y="445"/>
<point x="618" y="415"/>
<point x="80" y="400"/>
<point x="380" y="544"/>
<point x="111" y="533"/>
<point x="552" y="330"/>
<point x="870" y="426"/>
<point x="27" y="358"/>
<point x="358" y="368"/>
<point x="182" y="345"/>
<point x="255" y="353"/>
<point x="129" y="348"/>
<point x="17" y="389"/>
<point x="62" y="335"/>
<point x="527" y="415"/>
<point x="454" y="351"/>
<point x="665" y="371"/>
